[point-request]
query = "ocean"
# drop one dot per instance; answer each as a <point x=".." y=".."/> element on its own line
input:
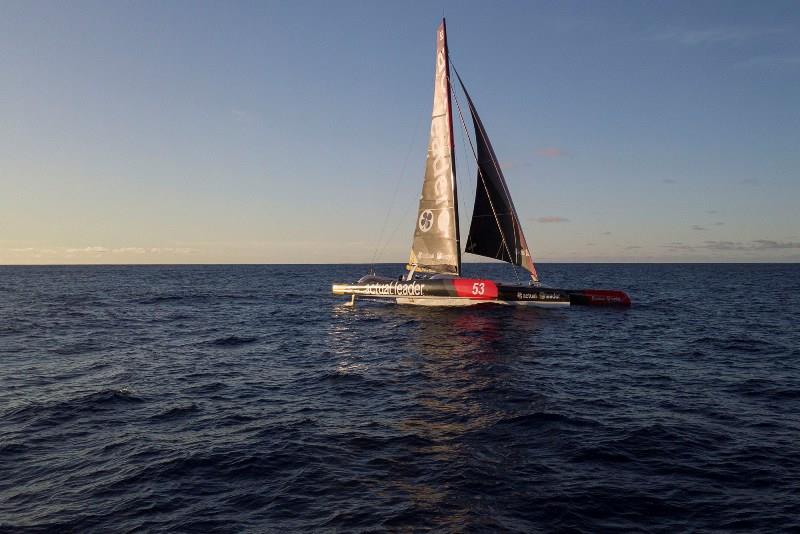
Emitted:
<point x="248" y="398"/>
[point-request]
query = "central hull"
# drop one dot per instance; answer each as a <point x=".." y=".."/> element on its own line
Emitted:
<point x="453" y="292"/>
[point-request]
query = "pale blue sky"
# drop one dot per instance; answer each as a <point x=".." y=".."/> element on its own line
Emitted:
<point x="163" y="132"/>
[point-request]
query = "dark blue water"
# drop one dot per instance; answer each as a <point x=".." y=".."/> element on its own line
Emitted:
<point x="232" y="398"/>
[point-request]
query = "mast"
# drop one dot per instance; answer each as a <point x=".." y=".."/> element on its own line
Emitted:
<point x="436" y="247"/>
<point x="452" y="143"/>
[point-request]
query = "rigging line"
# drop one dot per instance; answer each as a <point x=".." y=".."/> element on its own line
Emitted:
<point x="473" y="188"/>
<point x="378" y="248"/>
<point x="465" y="171"/>
<point x="480" y="173"/>
<point x="492" y="156"/>
<point x="496" y="165"/>
<point x="482" y="131"/>
<point x="469" y="172"/>
<point x="483" y="181"/>
<point x="397" y="227"/>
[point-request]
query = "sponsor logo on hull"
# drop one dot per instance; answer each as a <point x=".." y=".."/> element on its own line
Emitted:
<point x="469" y="288"/>
<point x="475" y="288"/>
<point x="541" y="295"/>
<point x="399" y="289"/>
<point x="600" y="297"/>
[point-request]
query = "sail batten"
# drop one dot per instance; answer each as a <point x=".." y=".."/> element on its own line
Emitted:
<point x="436" y="246"/>
<point x="495" y="230"/>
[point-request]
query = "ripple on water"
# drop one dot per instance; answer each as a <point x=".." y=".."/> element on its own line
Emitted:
<point x="219" y="398"/>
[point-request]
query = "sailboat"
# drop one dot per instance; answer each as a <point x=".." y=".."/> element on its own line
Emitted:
<point x="433" y="273"/>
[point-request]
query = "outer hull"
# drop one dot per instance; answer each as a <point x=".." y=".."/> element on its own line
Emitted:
<point x="475" y="291"/>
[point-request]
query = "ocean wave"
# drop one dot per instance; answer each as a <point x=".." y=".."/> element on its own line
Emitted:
<point x="232" y="341"/>
<point x="765" y="387"/>
<point x="538" y="419"/>
<point x="745" y="344"/>
<point x="160" y="299"/>
<point x="194" y="298"/>
<point x="177" y="412"/>
<point x="190" y="399"/>
<point x="58" y="411"/>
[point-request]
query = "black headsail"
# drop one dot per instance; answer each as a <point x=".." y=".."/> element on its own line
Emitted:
<point x="436" y="247"/>
<point x="495" y="230"/>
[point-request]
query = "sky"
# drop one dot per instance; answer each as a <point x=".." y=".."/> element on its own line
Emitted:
<point x="296" y="131"/>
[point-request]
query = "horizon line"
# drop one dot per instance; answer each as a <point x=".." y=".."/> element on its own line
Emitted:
<point x="790" y="262"/>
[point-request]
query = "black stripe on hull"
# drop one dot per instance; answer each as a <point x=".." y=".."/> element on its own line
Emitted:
<point x="469" y="291"/>
<point x="475" y="290"/>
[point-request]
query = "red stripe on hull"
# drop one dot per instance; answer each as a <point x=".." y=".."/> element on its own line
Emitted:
<point x="475" y="288"/>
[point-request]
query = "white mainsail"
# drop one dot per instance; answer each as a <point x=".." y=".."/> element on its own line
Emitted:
<point x="436" y="245"/>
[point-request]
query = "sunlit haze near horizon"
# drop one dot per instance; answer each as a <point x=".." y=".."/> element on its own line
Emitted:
<point x="296" y="132"/>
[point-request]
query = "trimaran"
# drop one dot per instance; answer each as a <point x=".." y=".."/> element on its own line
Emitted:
<point x="434" y="268"/>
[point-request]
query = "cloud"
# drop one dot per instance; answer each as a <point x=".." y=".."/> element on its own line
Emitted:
<point x="551" y="219"/>
<point x="96" y="254"/>
<point x="768" y="244"/>
<point x="33" y="249"/>
<point x="98" y="250"/>
<point x="32" y="252"/>
<point x="698" y="227"/>
<point x="551" y="152"/>
<point x="129" y="250"/>
<point x="87" y="250"/>
<point x="171" y="250"/>
<point x="241" y="115"/>
<point x="753" y="246"/>
<point x="749" y="181"/>
<point x="711" y="36"/>
<point x="771" y="62"/>
<point x="678" y="245"/>
<point x="724" y="245"/>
